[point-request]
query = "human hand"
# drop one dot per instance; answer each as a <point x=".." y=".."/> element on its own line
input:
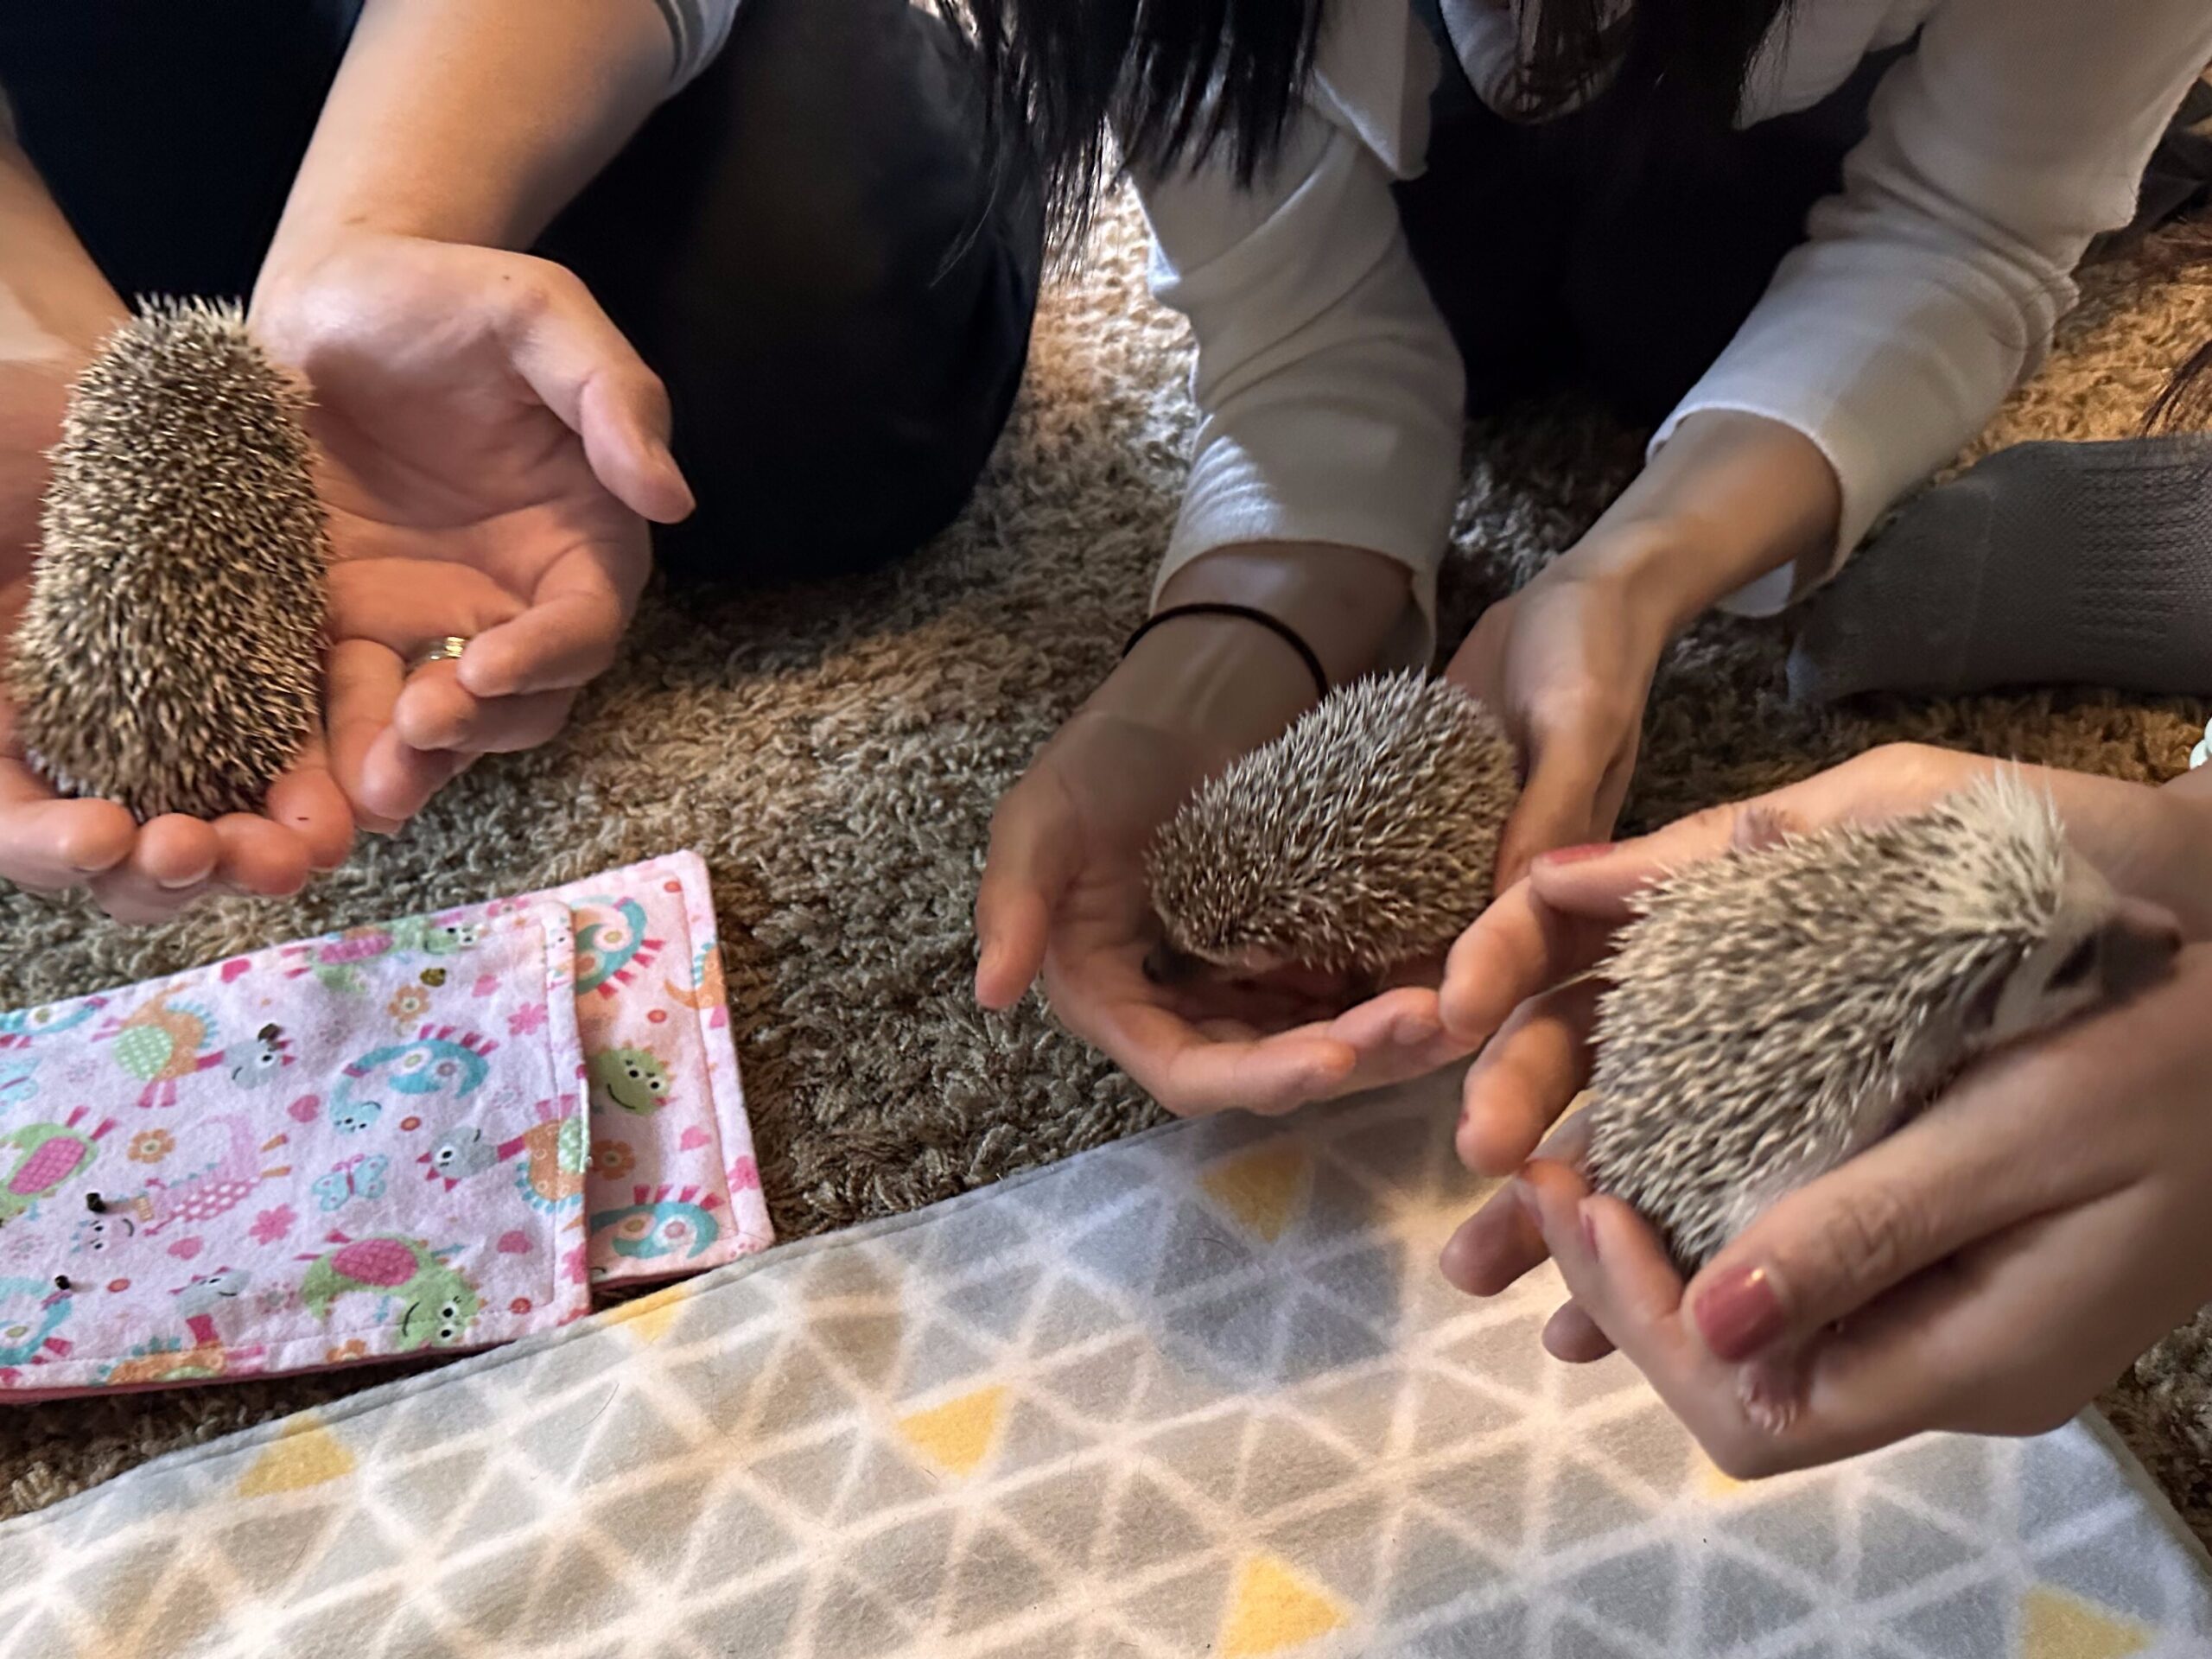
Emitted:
<point x="136" y="874"/>
<point x="491" y="448"/>
<point x="1989" y="1268"/>
<point x="1064" y="891"/>
<point x="1568" y="663"/>
<point x="1508" y="974"/>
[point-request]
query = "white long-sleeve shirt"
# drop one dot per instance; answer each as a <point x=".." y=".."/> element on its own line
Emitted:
<point x="1331" y="394"/>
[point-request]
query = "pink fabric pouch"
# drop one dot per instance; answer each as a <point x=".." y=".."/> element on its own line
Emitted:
<point x="435" y="1133"/>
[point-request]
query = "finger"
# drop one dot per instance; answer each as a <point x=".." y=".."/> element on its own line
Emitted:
<point x="386" y="601"/>
<point x="1559" y="803"/>
<point x="261" y="858"/>
<point x="434" y="711"/>
<point x="1033" y="856"/>
<point x="572" y="632"/>
<point x="365" y="680"/>
<point x="308" y="801"/>
<point x="1397" y="1037"/>
<point x="1175" y="1063"/>
<point x="46" y="843"/>
<point x="1949" y="1178"/>
<point x="1501" y="1242"/>
<point x="172" y="866"/>
<point x="1528" y="1075"/>
<point x="585" y="371"/>
<point x="1599" y="882"/>
<point x="1572" y="1335"/>
<point x="397" y="781"/>
<point x="1519" y="948"/>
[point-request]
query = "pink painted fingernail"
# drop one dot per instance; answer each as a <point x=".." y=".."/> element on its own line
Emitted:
<point x="1559" y="855"/>
<point x="1739" y="1313"/>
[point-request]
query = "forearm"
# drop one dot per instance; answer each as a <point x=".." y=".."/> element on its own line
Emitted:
<point x="473" y="121"/>
<point x="56" y="308"/>
<point x="1729" y="498"/>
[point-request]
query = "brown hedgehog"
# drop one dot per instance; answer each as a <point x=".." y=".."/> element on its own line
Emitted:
<point x="170" y="658"/>
<point x="1364" y="837"/>
<point x="1774" y="1011"/>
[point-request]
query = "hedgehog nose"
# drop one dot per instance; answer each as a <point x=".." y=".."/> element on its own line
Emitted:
<point x="2140" y="945"/>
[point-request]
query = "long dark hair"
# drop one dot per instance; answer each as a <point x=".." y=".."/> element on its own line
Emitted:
<point x="1178" y="80"/>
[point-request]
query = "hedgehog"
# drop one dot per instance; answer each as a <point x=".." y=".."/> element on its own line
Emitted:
<point x="1776" y="1010"/>
<point x="168" y="656"/>
<point x="1362" y="838"/>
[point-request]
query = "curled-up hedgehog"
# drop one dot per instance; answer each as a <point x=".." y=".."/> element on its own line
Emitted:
<point x="1362" y="838"/>
<point x="169" y="656"/>
<point x="1777" y="1009"/>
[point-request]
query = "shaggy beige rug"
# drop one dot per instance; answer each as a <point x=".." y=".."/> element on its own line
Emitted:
<point x="836" y="752"/>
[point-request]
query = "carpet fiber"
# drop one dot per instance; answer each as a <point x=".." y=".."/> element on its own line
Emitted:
<point x="834" y="755"/>
<point x="1199" y="1392"/>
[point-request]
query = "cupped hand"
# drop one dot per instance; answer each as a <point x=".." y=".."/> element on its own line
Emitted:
<point x="492" y="449"/>
<point x="1989" y="1268"/>
<point x="1063" y="892"/>
<point x="1918" y="1240"/>
<point x="1567" y="663"/>
<point x="48" y="844"/>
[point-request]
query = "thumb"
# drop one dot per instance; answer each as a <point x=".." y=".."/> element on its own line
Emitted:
<point x="1597" y="882"/>
<point x="569" y="352"/>
<point x="1033" y="860"/>
<point x="1823" y="1253"/>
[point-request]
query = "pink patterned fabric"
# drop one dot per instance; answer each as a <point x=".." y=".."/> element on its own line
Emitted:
<point x="438" y="1133"/>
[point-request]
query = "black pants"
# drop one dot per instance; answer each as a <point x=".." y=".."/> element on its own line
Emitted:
<point x="1589" y="250"/>
<point x="803" y="242"/>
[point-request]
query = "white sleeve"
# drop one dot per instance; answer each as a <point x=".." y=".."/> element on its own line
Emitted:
<point x="2011" y="135"/>
<point x="1329" y="391"/>
<point x="697" y="29"/>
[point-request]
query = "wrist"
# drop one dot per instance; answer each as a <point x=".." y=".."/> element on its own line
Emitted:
<point x="1224" y="681"/>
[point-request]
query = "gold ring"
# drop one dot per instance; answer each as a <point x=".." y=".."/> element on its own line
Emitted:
<point x="446" y="651"/>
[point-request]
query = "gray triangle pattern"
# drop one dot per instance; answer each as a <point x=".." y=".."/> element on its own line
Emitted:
<point x="1093" y="1415"/>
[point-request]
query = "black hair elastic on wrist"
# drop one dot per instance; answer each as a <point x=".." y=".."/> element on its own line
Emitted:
<point x="1273" y="625"/>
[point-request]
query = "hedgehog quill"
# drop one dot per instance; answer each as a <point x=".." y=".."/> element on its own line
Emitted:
<point x="169" y="654"/>
<point x="1362" y="838"/>
<point x="1774" y="1011"/>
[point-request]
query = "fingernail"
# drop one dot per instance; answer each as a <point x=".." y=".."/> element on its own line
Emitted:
<point x="1739" y="1313"/>
<point x="1561" y="855"/>
<point x="179" y="884"/>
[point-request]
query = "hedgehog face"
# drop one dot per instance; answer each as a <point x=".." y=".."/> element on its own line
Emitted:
<point x="2099" y="949"/>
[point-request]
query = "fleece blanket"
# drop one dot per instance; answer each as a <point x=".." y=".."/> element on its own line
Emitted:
<point x="1201" y="1392"/>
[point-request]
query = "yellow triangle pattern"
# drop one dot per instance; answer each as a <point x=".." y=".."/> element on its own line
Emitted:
<point x="1713" y="1483"/>
<point x="1273" y="1608"/>
<point x="957" y="1436"/>
<point x="650" y="1317"/>
<point x="305" y="1454"/>
<point x="2055" y="1625"/>
<point x="1261" y="1188"/>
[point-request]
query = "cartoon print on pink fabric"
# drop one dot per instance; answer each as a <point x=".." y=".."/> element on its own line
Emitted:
<point x="161" y="1042"/>
<point x="361" y="1176"/>
<point x="21" y="1028"/>
<point x="678" y="1226"/>
<point x="553" y="1149"/>
<point x="612" y="948"/>
<point x="49" y="1155"/>
<point x="706" y="993"/>
<point x="265" y="1060"/>
<point x="634" y="1080"/>
<point x="429" y="1302"/>
<point x="201" y="1353"/>
<point x="336" y="963"/>
<point x="217" y="1187"/>
<point x="440" y="1060"/>
<point x="31" y="1311"/>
